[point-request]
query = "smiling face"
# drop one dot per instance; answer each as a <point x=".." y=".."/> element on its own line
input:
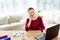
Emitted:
<point x="31" y="12"/>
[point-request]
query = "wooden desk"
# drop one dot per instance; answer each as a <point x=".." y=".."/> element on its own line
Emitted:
<point x="29" y="35"/>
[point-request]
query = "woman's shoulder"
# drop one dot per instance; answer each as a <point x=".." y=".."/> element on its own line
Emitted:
<point x="27" y="19"/>
<point x="39" y="17"/>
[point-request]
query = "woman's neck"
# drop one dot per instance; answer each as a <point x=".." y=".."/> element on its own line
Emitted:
<point x="34" y="17"/>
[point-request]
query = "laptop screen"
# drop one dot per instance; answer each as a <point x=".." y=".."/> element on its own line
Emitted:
<point x="52" y="32"/>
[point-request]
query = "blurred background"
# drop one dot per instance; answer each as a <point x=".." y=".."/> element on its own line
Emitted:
<point x="49" y="8"/>
<point x="10" y="10"/>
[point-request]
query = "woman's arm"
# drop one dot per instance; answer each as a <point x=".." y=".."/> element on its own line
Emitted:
<point x="42" y="27"/>
<point x="27" y="25"/>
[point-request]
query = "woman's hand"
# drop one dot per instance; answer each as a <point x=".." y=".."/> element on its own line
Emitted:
<point x="44" y="32"/>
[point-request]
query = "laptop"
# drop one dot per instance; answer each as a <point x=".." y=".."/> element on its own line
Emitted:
<point x="51" y="32"/>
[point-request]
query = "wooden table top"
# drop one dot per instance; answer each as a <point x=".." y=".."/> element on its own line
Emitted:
<point x="29" y="35"/>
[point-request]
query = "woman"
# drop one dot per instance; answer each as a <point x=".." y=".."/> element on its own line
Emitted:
<point x="34" y="22"/>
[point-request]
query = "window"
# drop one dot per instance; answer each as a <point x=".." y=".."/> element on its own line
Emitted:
<point x="11" y="7"/>
<point x="49" y="4"/>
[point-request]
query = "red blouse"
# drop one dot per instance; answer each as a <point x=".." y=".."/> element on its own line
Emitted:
<point x="35" y="24"/>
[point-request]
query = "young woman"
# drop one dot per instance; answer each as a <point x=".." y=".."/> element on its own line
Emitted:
<point x="34" y="22"/>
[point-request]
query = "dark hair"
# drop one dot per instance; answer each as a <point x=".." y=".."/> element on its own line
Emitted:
<point x="30" y="8"/>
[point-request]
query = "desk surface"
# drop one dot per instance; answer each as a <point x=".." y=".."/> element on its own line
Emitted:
<point x="29" y="35"/>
